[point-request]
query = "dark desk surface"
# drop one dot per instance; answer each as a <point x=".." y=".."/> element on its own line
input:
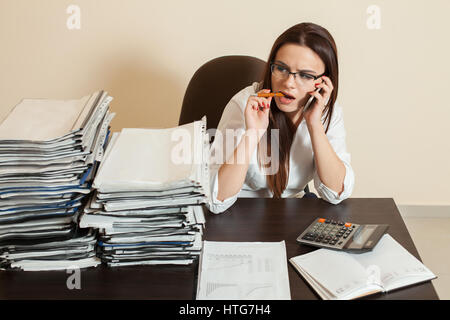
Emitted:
<point x="247" y="220"/>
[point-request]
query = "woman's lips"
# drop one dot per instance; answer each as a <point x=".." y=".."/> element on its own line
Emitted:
<point x="286" y="100"/>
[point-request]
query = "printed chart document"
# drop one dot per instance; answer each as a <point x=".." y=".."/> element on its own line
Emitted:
<point x="341" y="275"/>
<point x="243" y="271"/>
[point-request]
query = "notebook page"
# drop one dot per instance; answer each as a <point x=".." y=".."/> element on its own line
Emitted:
<point x="393" y="264"/>
<point x="320" y="290"/>
<point x="337" y="271"/>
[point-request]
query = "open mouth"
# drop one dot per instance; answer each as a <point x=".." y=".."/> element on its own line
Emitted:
<point x="287" y="99"/>
<point x="287" y="95"/>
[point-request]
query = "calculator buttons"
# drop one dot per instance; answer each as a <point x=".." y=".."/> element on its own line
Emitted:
<point x="329" y="233"/>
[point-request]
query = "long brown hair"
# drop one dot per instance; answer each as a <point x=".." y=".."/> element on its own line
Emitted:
<point x="319" y="40"/>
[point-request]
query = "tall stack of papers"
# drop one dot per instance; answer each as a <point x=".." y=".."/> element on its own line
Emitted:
<point x="149" y="191"/>
<point x="49" y="152"/>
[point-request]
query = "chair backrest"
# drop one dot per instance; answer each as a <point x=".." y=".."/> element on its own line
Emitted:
<point x="215" y="83"/>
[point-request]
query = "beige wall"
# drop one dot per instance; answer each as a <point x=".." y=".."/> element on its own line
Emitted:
<point x="394" y="80"/>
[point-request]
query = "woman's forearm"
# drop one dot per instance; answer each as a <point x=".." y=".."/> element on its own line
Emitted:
<point x="232" y="173"/>
<point x="330" y="168"/>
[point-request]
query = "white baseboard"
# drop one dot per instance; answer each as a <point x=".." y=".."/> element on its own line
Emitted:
<point x="411" y="211"/>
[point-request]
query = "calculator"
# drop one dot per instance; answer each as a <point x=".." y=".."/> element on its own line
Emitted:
<point x="344" y="236"/>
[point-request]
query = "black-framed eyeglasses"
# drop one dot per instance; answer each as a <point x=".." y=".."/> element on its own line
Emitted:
<point x="302" y="78"/>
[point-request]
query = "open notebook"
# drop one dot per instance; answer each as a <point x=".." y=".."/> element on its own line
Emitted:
<point x="340" y="275"/>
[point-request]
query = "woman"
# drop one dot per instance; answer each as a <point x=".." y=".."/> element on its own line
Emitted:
<point x="275" y="133"/>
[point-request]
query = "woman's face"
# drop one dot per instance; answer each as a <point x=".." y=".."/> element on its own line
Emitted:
<point x="296" y="58"/>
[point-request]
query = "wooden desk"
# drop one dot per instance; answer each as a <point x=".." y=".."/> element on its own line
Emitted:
<point x="247" y="220"/>
<point x="285" y="219"/>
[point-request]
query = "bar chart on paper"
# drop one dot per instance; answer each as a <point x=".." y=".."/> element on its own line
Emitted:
<point x="244" y="271"/>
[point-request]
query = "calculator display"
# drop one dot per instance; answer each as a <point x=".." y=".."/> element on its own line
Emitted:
<point x="362" y="236"/>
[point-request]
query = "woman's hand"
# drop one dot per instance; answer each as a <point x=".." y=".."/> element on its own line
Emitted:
<point x="232" y="173"/>
<point x="313" y="115"/>
<point x="257" y="113"/>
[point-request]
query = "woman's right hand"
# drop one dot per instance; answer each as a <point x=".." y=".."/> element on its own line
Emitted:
<point x="257" y="113"/>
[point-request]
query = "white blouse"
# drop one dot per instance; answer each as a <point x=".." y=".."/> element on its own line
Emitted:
<point x="301" y="159"/>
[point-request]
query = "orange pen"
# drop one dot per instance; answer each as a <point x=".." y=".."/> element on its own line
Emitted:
<point x="270" y="94"/>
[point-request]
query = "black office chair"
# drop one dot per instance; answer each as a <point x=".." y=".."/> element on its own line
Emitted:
<point x="214" y="84"/>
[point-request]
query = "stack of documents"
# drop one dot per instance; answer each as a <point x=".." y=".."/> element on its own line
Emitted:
<point x="149" y="191"/>
<point x="49" y="152"/>
<point x="75" y="252"/>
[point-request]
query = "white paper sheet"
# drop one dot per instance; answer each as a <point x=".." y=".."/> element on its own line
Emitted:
<point x="243" y="271"/>
<point x="41" y="119"/>
<point x="143" y="160"/>
<point x="38" y="265"/>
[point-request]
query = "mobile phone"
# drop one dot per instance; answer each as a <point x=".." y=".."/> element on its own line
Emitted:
<point x="310" y="101"/>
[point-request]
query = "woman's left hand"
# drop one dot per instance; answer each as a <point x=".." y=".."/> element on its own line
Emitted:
<point x="314" y="113"/>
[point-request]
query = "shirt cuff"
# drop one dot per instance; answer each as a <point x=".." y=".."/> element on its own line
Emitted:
<point x="331" y="195"/>
<point x="215" y="205"/>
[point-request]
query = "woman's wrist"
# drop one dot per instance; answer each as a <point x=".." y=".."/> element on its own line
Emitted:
<point x="251" y="138"/>
<point x="255" y="135"/>
<point x="314" y="126"/>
